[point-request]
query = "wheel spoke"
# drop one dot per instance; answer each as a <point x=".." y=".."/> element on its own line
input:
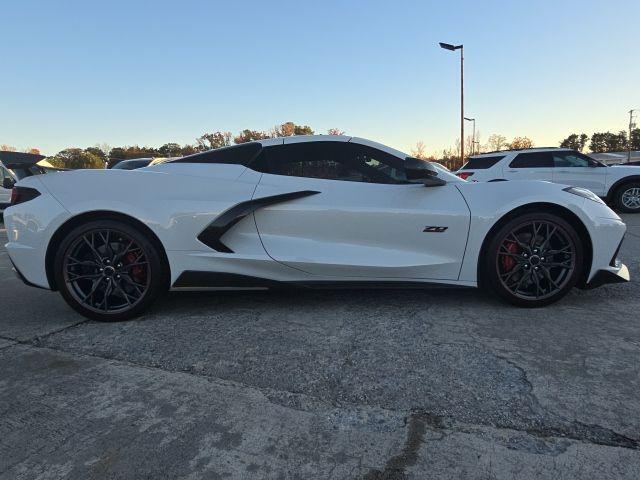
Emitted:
<point x="96" y="254"/>
<point x="534" y="237"/>
<point x="124" y="294"/>
<point x="518" y="242"/>
<point x="566" y="264"/>
<point x="565" y="249"/>
<point x="81" y="277"/>
<point x="536" y="281"/>
<point x="547" y="275"/>
<point x="549" y="235"/>
<point x="94" y="287"/>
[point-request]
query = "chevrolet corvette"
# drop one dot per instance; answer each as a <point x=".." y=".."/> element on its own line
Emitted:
<point x="304" y="212"/>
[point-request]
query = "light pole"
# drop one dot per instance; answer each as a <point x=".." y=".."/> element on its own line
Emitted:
<point x="473" y="138"/>
<point x="631" y="127"/>
<point x="448" y="46"/>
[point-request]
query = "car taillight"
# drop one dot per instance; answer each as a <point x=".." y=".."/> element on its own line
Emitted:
<point x="23" y="194"/>
<point x="464" y="175"/>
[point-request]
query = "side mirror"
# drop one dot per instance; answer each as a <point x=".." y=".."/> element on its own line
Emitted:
<point x="8" y="183"/>
<point x="422" y="171"/>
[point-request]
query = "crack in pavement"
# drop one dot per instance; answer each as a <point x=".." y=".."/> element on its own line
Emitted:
<point x="418" y="423"/>
<point x="40" y="338"/>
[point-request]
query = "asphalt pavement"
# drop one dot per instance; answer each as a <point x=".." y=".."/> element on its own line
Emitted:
<point x="324" y="384"/>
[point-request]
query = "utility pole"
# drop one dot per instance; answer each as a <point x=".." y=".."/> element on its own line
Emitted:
<point x="461" y="106"/>
<point x="448" y="46"/>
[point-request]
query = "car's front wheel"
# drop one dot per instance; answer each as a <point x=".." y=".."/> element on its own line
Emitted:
<point x="533" y="260"/>
<point x="627" y="198"/>
<point x="108" y="270"/>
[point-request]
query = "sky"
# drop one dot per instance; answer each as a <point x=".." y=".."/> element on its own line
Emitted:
<point x="79" y="73"/>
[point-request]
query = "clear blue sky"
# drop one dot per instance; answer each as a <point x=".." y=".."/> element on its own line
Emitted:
<point x="77" y="73"/>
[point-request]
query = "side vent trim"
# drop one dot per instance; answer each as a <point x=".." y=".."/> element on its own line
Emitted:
<point x="212" y="234"/>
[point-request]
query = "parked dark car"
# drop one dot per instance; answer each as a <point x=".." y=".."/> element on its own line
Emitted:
<point x="132" y="164"/>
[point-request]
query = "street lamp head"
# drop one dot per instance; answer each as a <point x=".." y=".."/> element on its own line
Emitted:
<point x="448" y="46"/>
<point x="470" y="119"/>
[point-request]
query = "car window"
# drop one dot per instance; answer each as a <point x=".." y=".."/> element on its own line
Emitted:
<point x="532" y="160"/>
<point x="331" y="161"/>
<point x="241" y="154"/>
<point x="570" y="159"/>
<point x="481" y="163"/>
<point x="4" y="173"/>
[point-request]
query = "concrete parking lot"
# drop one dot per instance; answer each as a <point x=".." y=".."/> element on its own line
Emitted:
<point x="324" y="384"/>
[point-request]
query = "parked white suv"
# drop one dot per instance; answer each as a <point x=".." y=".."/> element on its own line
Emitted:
<point x="618" y="185"/>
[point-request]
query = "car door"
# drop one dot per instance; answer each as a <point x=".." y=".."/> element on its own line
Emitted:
<point x="573" y="168"/>
<point x="530" y="166"/>
<point x="359" y="217"/>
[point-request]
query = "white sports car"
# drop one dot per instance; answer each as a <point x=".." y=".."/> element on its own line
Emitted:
<point x="304" y="211"/>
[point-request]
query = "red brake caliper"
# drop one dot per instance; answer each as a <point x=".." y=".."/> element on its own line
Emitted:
<point x="508" y="262"/>
<point x="137" y="272"/>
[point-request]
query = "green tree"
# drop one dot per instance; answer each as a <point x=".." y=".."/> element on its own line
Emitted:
<point x="575" y="142"/>
<point x="635" y="139"/>
<point x="116" y="154"/>
<point x="76" y="158"/>
<point x="170" y="150"/>
<point x="608" y="142"/>
<point x="188" y="150"/>
<point x="617" y="142"/>
<point x="598" y="144"/>
<point x="209" y="141"/>
<point x="247" y="135"/>
<point x="97" y="152"/>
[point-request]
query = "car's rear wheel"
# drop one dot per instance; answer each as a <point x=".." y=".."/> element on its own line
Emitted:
<point x="627" y="198"/>
<point x="534" y="260"/>
<point x="108" y="270"/>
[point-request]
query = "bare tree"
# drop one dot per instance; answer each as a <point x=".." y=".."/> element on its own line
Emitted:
<point x="496" y="142"/>
<point x="419" y="151"/>
<point x="519" y="143"/>
<point x="335" y="131"/>
<point x="7" y="148"/>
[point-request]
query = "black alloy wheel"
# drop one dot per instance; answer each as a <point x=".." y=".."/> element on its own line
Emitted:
<point x="534" y="260"/>
<point x="108" y="270"/>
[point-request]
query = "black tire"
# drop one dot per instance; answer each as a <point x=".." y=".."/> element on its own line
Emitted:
<point x="93" y="260"/>
<point x="626" y="199"/>
<point x="539" y="278"/>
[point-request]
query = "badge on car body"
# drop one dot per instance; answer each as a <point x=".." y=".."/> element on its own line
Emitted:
<point x="434" y="229"/>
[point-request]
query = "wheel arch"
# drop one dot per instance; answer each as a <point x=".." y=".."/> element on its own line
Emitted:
<point x="77" y="220"/>
<point x="620" y="183"/>
<point x="544" y="207"/>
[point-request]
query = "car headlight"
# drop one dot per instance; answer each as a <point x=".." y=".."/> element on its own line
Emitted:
<point x="583" y="192"/>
